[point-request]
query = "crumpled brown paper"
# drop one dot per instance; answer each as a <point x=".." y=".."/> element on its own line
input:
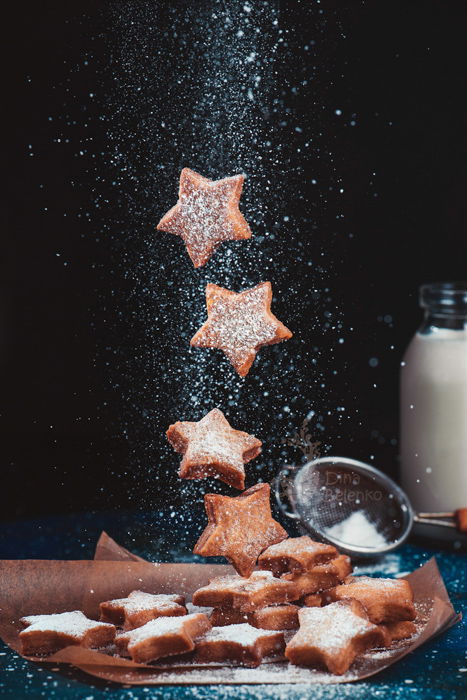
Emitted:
<point x="31" y="587"/>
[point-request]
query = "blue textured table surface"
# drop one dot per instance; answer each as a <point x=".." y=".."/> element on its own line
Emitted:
<point x="437" y="670"/>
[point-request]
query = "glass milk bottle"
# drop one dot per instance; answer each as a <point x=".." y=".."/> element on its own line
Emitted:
<point x="434" y="402"/>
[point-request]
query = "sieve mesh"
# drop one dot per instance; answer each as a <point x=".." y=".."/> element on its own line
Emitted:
<point x="348" y="503"/>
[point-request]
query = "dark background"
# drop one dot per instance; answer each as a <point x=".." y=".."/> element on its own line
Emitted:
<point x="91" y="373"/>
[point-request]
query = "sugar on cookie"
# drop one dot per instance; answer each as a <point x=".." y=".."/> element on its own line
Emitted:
<point x="211" y="447"/>
<point x="385" y="599"/>
<point x="333" y="636"/>
<point x="240" y="643"/>
<point x="240" y="324"/>
<point x="246" y="594"/>
<point x="45" y="634"/>
<point x="166" y="636"/>
<point x="239" y="528"/>
<point x="140" y="607"/>
<point x="206" y="214"/>
<point x="296" y="554"/>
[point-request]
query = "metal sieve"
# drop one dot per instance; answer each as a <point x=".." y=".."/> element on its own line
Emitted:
<point x="329" y="493"/>
<point x="354" y="506"/>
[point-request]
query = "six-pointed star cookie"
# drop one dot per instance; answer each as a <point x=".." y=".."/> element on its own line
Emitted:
<point x="240" y="324"/>
<point x="206" y="214"/>
<point x="211" y="447"/>
<point x="239" y="528"/>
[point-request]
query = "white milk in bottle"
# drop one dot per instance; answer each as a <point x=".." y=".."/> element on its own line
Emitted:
<point x="434" y="402"/>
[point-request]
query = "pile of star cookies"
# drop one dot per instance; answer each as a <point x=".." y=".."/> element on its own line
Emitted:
<point x="301" y="605"/>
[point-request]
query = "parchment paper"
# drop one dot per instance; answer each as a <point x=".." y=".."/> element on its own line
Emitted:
<point x="31" y="587"/>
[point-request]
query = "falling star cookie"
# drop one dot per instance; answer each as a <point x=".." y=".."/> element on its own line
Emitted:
<point x="206" y="214"/>
<point x="211" y="447"/>
<point x="240" y="324"/>
<point x="239" y="528"/>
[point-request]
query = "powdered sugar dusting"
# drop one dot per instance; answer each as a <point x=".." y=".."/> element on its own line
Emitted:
<point x="73" y="623"/>
<point x="256" y="582"/>
<point x="330" y="628"/>
<point x="139" y="600"/>
<point x="159" y="627"/>
<point x="242" y="633"/>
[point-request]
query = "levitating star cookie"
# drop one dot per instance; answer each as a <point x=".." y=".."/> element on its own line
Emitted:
<point x="211" y="447"/>
<point x="49" y="633"/>
<point x="140" y="607"/>
<point x="206" y="214"/>
<point x="239" y="528"/>
<point x="240" y="324"/>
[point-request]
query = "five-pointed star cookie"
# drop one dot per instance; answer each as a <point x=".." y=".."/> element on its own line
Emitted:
<point x="239" y="528"/>
<point x="140" y="607"/>
<point x="211" y="447"/>
<point x="49" y="633"/>
<point x="239" y="642"/>
<point x="333" y="636"/>
<point x="166" y="636"/>
<point x="240" y="324"/>
<point x="206" y="214"/>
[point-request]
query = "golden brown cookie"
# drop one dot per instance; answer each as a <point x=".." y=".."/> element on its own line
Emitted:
<point x="166" y="636"/>
<point x="46" y="634"/>
<point x="312" y="600"/>
<point x="239" y="528"/>
<point x="296" y="554"/>
<point x="322" y="576"/>
<point x="241" y="643"/>
<point x="211" y="447"/>
<point x="397" y="631"/>
<point x="385" y="599"/>
<point x="240" y="324"/>
<point x="140" y="607"/>
<point x="206" y="214"/>
<point x="272" y="617"/>
<point x="333" y="636"/>
<point x="246" y="594"/>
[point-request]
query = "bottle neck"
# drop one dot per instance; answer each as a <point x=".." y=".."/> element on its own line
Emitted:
<point x="434" y="320"/>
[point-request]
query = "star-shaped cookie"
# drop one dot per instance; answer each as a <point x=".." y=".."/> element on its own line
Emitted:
<point x="239" y="642"/>
<point x="45" y="634"/>
<point x="246" y="594"/>
<point x="240" y="324"/>
<point x="211" y="447"/>
<point x="206" y="214"/>
<point x="166" y="636"/>
<point x="140" y="607"/>
<point x="333" y="636"/>
<point x="239" y="528"/>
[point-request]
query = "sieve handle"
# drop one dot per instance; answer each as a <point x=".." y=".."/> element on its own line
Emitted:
<point x="277" y="487"/>
<point x="458" y="519"/>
